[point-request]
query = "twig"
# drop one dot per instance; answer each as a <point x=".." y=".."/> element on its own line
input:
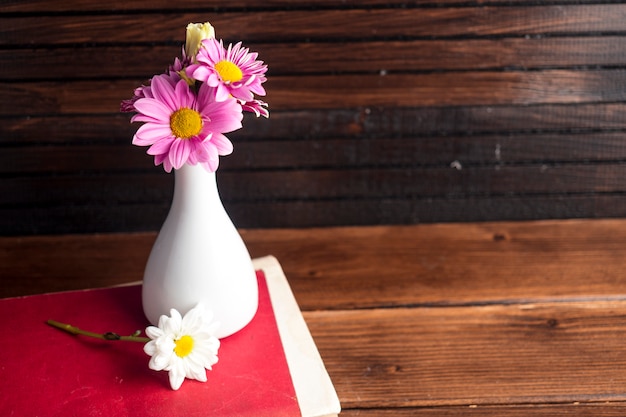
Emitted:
<point x="105" y="336"/>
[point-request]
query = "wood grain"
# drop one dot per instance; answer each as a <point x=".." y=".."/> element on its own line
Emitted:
<point x="469" y="151"/>
<point x="25" y="6"/>
<point x="297" y="25"/>
<point x="454" y="264"/>
<point x="357" y="124"/>
<point x="450" y="181"/>
<point x="525" y="98"/>
<point x="324" y="92"/>
<point x="546" y="353"/>
<point x="368" y="267"/>
<point x="339" y="57"/>
<point x="573" y="409"/>
<point x="110" y="217"/>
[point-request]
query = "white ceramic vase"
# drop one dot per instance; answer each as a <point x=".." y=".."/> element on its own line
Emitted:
<point x="199" y="256"/>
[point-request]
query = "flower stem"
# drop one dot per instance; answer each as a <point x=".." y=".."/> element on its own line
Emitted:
<point x="105" y="336"/>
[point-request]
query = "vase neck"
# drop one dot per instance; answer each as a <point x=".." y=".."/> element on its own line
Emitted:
<point x="193" y="184"/>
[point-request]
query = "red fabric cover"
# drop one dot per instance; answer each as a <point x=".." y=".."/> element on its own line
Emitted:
<point x="47" y="372"/>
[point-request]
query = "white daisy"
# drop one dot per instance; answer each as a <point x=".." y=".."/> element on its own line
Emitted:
<point x="184" y="346"/>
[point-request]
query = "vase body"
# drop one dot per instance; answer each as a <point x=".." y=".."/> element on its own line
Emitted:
<point x="199" y="256"/>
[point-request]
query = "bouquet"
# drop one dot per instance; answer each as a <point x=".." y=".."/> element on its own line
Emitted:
<point x="186" y="110"/>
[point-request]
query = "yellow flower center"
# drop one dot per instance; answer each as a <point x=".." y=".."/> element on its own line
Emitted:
<point x="228" y="71"/>
<point x="185" y="123"/>
<point x="184" y="346"/>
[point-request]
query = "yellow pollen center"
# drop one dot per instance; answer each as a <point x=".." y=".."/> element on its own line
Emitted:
<point x="185" y="123"/>
<point x="184" y="346"/>
<point x="228" y="71"/>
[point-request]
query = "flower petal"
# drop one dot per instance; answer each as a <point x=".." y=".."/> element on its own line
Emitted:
<point x="223" y="145"/>
<point x="176" y="378"/>
<point x="179" y="153"/>
<point x="163" y="92"/>
<point x="150" y="133"/>
<point x="161" y="147"/>
<point x="154" y="109"/>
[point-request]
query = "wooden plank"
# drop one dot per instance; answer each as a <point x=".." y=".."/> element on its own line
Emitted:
<point x="343" y="57"/>
<point x="110" y="216"/>
<point x="474" y="355"/>
<point x="448" y="89"/>
<point x="94" y="205"/>
<point x="71" y="159"/>
<point x="325" y="184"/>
<point x="37" y="6"/>
<point x="429" y="151"/>
<point x="331" y="92"/>
<point x="357" y="123"/>
<point x="74" y="262"/>
<point x="94" y="189"/>
<point x="72" y="218"/>
<point x="367" y="267"/>
<point x="413" y="210"/>
<point x="321" y="24"/>
<point x="449" y="264"/>
<point x="606" y="409"/>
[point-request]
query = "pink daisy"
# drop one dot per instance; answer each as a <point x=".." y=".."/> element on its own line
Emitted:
<point x="181" y="127"/>
<point x="234" y="71"/>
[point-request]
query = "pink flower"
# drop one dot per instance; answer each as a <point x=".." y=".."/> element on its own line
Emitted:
<point x="257" y="107"/>
<point x="182" y="127"/>
<point x="233" y="71"/>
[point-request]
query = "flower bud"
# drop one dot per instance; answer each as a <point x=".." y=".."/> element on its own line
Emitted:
<point x="196" y="33"/>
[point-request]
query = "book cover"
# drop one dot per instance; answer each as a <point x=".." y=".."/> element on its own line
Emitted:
<point x="266" y="369"/>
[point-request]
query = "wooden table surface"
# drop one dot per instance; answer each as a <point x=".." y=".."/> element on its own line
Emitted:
<point x="485" y="319"/>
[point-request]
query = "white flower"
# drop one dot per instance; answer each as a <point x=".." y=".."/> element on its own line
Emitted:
<point x="196" y="33"/>
<point x="183" y="346"/>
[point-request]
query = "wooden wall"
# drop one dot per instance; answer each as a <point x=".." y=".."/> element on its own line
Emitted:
<point x="381" y="111"/>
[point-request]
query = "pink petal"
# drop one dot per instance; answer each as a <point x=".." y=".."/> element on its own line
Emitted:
<point x="161" y="147"/>
<point x="258" y="107"/>
<point x="257" y="89"/>
<point x="199" y="72"/>
<point x="213" y="80"/>
<point x="223" y="145"/>
<point x="184" y="96"/>
<point x="153" y="108"/>
<point x="164" y="92"/>
<point x="179" y="153"/>
<point x="212" y="164"/>
<point x="222" y="93"/>
<point x="149" y="133"/>
<point x="213" y="50"/>
<point x="225" y="117"/>
<point x="165" y="160"/>
<point x="206" y="166"/>
<point x="242" y="93"/>
<point x="206" y="94"/>
<point x="143" y="118"/>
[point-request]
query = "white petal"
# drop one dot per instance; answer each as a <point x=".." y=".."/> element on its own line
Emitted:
<point x="197" y="372"/>
<point x="150" y="348"/>
<point x="159" y="362"/>
<point x="153" y="332"/>
<point x="176" y="378"/>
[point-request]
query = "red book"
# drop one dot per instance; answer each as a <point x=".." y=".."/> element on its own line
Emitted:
<point x="262" y="370"/>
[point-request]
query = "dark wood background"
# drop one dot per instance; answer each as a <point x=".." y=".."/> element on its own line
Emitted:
<point x="382" y="112"/>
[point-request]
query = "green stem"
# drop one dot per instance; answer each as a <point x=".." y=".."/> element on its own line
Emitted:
<point x="106" y="336"/>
